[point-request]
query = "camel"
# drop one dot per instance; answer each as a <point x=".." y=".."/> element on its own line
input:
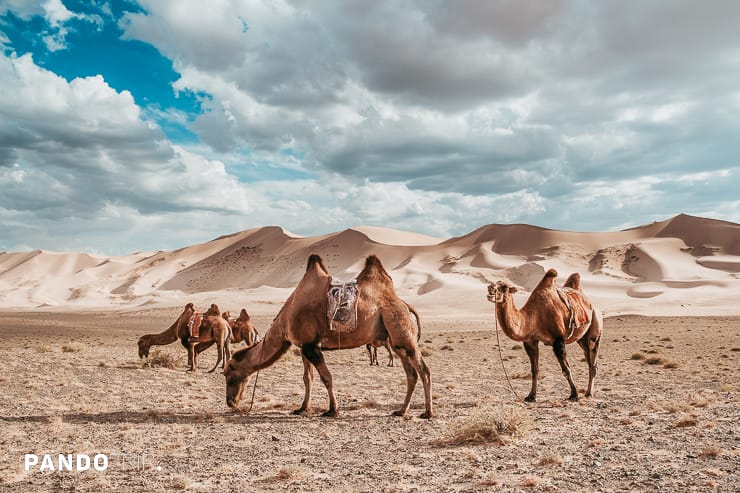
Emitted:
<point x="303" y="321"/>
<point x="242" y="328"/>
<point x="213" y="329"/>
<point x="372" y="347"/>
<point x="178" y="330"/>
<point x="555" y="317"/>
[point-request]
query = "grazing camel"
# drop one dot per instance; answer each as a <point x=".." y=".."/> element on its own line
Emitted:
<point x="178" y="330"/>
<point x="242" y="328"/>
<point x="555" y="317"/>
<point x="372" y="347"/>
<point x="303" y="321"/>
<point x="213" y="329"/>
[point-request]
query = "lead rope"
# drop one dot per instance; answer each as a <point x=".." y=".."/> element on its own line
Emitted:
<point x="256" y="377"/>
<point x="500" y="354"/>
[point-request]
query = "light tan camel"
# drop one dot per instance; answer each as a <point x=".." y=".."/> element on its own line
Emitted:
<point x="372" y="347"/>
<point x="242" y="328"/>
<point x="303" y="321"/>
<point x="213" y="329"/>
<point x="178" y="330"/>
<point x="555" y="317"/>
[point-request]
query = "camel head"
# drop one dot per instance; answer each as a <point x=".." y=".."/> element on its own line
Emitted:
<point x="236" y="379"/>
<point x="497" y="292"/>
<point x="144" y="344"/>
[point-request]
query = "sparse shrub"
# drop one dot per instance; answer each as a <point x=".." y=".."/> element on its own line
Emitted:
<point x="549" y="460"/>
<point x="43" y="348"/>
<point x="530" y="482"/>
<point x="710" y="452"/>
<point x="160" y="359"/>
<point x="685" y="422"/>
<point x="637" y="356"/>
<point x="70" y="349"/>
<point x="655" y="361"/>
<point x="426" y="352"/>
<point x="489" y="427"/>
<point x="670" y="364"/>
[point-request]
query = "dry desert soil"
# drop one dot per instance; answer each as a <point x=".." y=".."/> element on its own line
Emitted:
<point x="664" y="417"/>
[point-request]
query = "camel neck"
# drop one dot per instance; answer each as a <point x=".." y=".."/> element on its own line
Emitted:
<point x="510" y="319"/>
<point x="267" y="351"/>
<point x="166" y="337"/>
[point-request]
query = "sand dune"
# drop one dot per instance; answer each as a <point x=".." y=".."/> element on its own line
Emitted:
<point x="684" y="265"/>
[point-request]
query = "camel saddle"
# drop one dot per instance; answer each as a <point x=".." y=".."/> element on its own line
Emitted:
<point x="194" y="324"/>
<point x="342" y="306"/>
<point x="576" y="306"/>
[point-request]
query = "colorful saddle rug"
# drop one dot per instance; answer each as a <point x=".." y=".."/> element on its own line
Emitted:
<point x="342" y="306"/>
<point x="194" y="324"/>
<point x="578" y="307"/>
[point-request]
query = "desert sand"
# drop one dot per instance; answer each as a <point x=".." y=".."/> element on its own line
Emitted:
<point x="664" y="415"/>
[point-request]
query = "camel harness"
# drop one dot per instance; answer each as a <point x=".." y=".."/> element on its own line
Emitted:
<point x="194" y="324"/>
<point x="342" y="306"/>
<point x="577" y="312"/>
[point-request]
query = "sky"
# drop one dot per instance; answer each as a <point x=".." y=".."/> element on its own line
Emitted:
<point x="156" y="124"/>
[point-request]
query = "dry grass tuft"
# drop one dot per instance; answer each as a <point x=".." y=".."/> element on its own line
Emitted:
<point x="43" y="348"/>
<point x="70" y="348"/>
<point x="550" y="460"/>
<point x="287" y="473"/>
<point x="637" y="356"/>
<point x="710" y="452"/>
<point x="686" y="421"/>
<point x="530" y="482"/>
<point x="656" y="361"/>
<point x="490" y="480"/>
<point x="427" y="351"/>
<point x="490" y="427"/>
<point x="670" y="364"/>
<point x="160" y="359"/>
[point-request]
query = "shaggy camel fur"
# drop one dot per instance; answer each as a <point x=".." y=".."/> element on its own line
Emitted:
<point x="372" y="347"/>
<point x="242" y="328"/>
<point x="178" y="330"/>
<point x="213" y="329"/>
<point x="546" y="318"/>
<point x="303" y="321"/>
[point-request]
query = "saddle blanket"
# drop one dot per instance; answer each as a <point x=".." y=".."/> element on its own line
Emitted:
<point x="194" y="324"/>
<point x="342" y="306"/>
<point x="579" y="311"/>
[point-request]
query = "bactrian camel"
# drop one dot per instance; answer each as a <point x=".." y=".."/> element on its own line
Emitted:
<point x="242" y="328"/>
<point x="178" y="330"/>
<point x="213" y="329"/>
<point x="372" y="347"/>
<point x="303" y="321"/>
<point x="555" y="317"/>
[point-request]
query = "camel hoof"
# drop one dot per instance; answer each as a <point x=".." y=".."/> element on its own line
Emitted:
<point x="426" y="415"/>
<point x="530" y="398"/>
<point x="331" y="413"/>
<point x="573" y="398"/>
<point x="300" y="412"/>
<point x="399" y="413"/>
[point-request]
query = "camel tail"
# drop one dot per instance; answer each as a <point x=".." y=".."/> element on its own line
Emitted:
<point x="573" y="281"/>
<point x="418" y="320"/>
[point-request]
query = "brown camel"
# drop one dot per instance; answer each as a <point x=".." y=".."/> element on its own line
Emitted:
<point x="242" y="328"/>
<point x="303" y="321"/>
<point x="178" y="330"/>
<point x="555" y="317"/>
<point x="213" y="329"/>
<point x="372" y="347"/>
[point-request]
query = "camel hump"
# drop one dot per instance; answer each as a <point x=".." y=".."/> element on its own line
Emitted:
<point x="573" y="281"/>
<point x="244" y="314"/>
<point x="189" y="306"/>
<point x="373" y="266"/>
<point x="548" y="280"/>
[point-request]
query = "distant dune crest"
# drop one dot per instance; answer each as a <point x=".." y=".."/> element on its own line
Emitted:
<point x="684" y="265"/>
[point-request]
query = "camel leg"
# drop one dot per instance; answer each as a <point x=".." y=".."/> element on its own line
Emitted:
<point x="307" y="384"/>
<point x="412" y="358"/>
<point x="220" y="348"/>
<point x="590" y="345"/>
<point x="533" y="351"/>
<point x="559" y="349"/>
<point x="314" y="355"/>
<point x="370" y="348"/>
<point x="390" y="355"/>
